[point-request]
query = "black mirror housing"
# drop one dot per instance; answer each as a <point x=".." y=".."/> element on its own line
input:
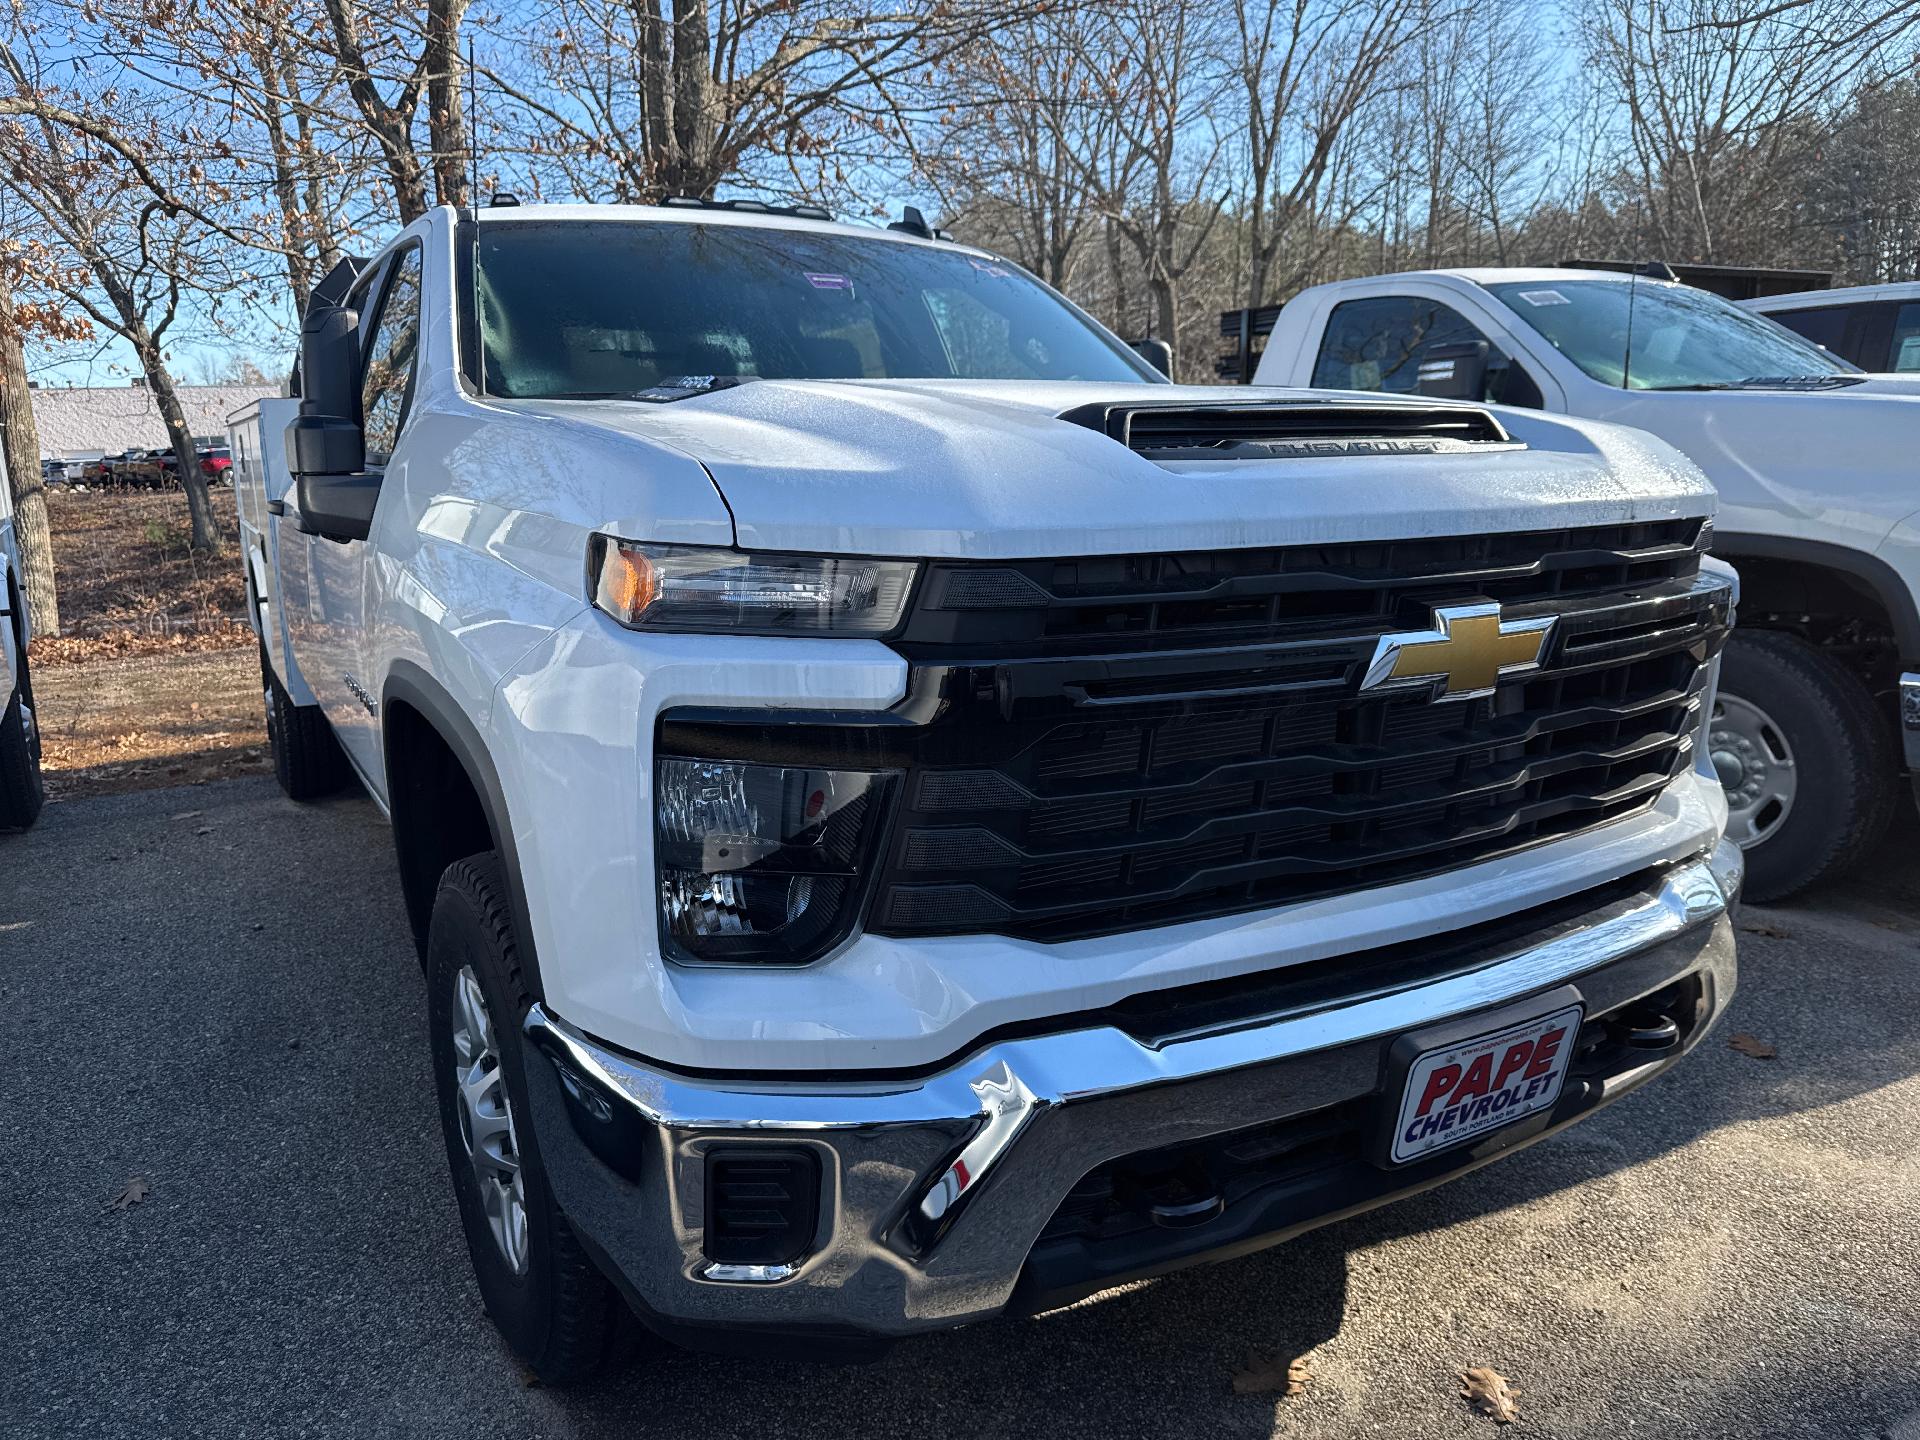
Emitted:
<point x="326" y="439"/>
<point x="339" y="507"/>
<point x="1454" y="372"/>
<point x="1157" y="353"/>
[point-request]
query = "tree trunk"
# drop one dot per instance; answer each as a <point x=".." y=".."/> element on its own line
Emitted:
<point x="446" y="118"/>
<point x="205" y="539"/>
<point x="22" y="445"/>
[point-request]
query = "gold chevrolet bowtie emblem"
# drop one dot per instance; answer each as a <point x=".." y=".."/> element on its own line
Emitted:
<point x="1467" y="651"/>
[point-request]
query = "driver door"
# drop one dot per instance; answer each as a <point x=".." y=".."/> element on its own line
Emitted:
<point x="341" y="571"/>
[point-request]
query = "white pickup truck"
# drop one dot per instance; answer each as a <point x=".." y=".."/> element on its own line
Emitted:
<point x="1814" y="464"/>
<point x="907" y="816"/>
<point x="21" y="794"/>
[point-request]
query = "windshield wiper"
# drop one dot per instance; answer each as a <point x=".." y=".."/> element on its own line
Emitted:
<point x="680" y="387"/>
<point x="1769" y="382"/>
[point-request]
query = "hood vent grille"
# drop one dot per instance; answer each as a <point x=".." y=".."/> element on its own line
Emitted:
<point x="1293" y="431"/>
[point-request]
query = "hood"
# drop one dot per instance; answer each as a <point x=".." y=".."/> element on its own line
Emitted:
<point x="990" y="470"/>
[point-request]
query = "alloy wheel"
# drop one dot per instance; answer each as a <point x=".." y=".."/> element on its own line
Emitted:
<point x="486" y="1120"/>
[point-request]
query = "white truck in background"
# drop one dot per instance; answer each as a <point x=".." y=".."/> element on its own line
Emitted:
<point x="1876" y="327"/>
<point x="1819" y="707"/>
<point x="908" y="816"/>
<point x="21" y="791"/>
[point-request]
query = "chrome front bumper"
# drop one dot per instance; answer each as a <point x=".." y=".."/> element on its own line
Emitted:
<point x="934" y="1189"/>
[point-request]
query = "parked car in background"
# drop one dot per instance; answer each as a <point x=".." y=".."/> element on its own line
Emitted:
<point x="53" y="472"/>
<point x="908" y="815"/>
<point x="1819" y="707"/>
<point x="1876" y="327"/>
<point x="98" y="472"/>
<point x="134" y="468"/>
<point x="216" y="463"/>
<point x="21" y="793"/>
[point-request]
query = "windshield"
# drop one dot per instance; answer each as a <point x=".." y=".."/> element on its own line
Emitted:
<point x="604" y="309"/>
<point x="1683" y="339"/>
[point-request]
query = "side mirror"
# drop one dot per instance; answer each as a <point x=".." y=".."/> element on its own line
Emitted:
<point x="1454" y="372"/>
<point x="1157" y="353"/>
<point x="326" y="448"/>
<point x="340" y="507"/>
<point x="325" y="438"/>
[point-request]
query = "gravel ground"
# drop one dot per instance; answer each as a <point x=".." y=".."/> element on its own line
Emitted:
<point x="209" y="988"/>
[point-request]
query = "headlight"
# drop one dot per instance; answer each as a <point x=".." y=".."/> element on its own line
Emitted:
<point x="761" y="863"/>
<point x="682" y="587"/>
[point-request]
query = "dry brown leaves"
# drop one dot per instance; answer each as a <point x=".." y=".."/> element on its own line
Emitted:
<point x="121" y="560"/>
<point x="1762" y="927"/>
<point x="52" y="650"/>
<point x="1488" y="1392"/>
<point x="1751" y="1045"/>
<point x="1276" y="1372"/>
<point x="131" y="1194"/>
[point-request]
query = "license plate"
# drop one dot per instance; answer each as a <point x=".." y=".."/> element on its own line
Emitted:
<point x="1463" y="1091"/>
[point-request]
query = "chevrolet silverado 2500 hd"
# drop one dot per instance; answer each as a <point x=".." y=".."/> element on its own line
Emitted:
<point x="1813" y="461"/>
<point x="908" y="816"/>
<point x="20" y="789"/>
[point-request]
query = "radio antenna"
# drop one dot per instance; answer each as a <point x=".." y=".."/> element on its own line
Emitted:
<point x="473" y="123"/>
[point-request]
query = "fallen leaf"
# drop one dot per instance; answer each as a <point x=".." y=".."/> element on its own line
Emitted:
<point x="188" y="815"/>
<point x="1488" y="1392"/>
<point x="1752" y="1045"/>
<point x="1273" y="1372"/>
<point x="132" y="1193"/>
<point x="1772" y="932"/>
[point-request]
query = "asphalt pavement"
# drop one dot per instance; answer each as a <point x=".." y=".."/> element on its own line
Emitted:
<point x="210" y="990"/>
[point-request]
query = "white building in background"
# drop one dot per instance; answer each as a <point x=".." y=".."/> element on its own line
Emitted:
<point x="84" y="423"/>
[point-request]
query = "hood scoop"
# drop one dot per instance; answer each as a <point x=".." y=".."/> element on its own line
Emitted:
<point x="1309" y="429"/>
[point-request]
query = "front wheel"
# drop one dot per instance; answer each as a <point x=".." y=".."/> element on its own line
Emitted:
<point x="545" y="1294"/>
<point x="1806" y="761"/>
<point x="22" y="792"/>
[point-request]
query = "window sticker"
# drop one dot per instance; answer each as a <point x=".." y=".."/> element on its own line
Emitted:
<point x="1544" y="297"/>
<point x="823" y="280"/>
<point x="987" y="267"/>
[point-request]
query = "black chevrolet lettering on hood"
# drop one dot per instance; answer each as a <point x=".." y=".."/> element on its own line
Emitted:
<point x="1293" y="430"/>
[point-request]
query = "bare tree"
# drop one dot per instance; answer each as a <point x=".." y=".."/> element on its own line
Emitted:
<point x="1722" y="104"/>
<point x="1309" y="72"/>
<point x="1007" y="155"/>
<point x="136" y="255"/>
<point x="627" y="101"/>
<point x="1156" y="177"/>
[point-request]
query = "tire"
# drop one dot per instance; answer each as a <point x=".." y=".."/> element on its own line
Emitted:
<point x="307" y="758"/>
<point x="22" y="792"/>
<point x="554" y="1308"/>
<point x="1782" y="699"/>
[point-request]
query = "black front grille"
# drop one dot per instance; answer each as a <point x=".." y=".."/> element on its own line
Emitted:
<point x="1099" y="745"/>
<point x="1224" y="597"/>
